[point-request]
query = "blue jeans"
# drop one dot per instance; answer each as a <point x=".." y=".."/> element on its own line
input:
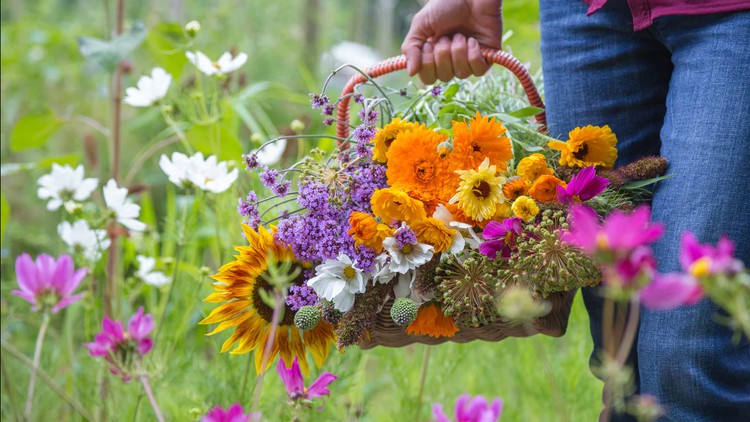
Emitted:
<point x="680" y="89"/>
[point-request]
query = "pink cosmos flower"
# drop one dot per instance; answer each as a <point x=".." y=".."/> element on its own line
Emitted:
<point x="583" y="186"/>
<point x="295" y="383"/>
<point x="620" y="232"/>
<point x="500" y="237"/>
<point x="631" y="267"/>
<point x="117" y="346"/>
<point x="476" y="410"/>
<point x="233" y="413"/>
<point x="669" y="291"/>
<point x="703" y="259"/>
<point x="48" y="282"/>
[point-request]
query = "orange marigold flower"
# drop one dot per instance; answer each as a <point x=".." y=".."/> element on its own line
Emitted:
<point x="588" y="146"/>
<point x="545" y="188"/>
<point x="481" y="137"/>
<point x="381" y="233"/>
<point x="514" y="188"/>
<point x="363" y="226"/>
<point x="434" y="232"/>
<point x="533" y="166"/>
<point x="395" y="204"/>
<point x="414" y="164"/>
<point x="431" y="321"/>
<point x="385" y="137"/>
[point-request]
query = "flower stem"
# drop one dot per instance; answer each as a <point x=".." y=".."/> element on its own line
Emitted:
<point x="631" y="328"/>
<point x="275" y="318"/>
<point x="423" y="380"/>
<point x="151" y="398"/>
<point x="35" y="365"/>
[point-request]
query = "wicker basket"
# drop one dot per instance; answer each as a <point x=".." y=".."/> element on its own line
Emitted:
<point x="386" y="332"/>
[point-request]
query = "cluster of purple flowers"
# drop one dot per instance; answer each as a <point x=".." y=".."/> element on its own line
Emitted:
<point x="369" y="116"/>
<point x="364" y="133"/>
<point x="249" y="209"/>
<point x="405" y="236"/>
<point x="300" y="296"/>
<point x="366" y="178"/>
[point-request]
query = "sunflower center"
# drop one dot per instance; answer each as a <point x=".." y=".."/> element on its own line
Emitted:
<point x="406" y="249"/>
<point x="582" y="151"/>
<point x="482" y="190"/>
<point x="264" y="310"/>
<point x="424" y="171"/>
<point x="349" y="272"/>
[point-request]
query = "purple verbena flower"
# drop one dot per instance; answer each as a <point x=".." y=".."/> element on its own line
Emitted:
<point x="402" y="92"/>
<point x="368" y="116"/>
<point x="269" y="177"/>
<point x="233" y="413"/>
<point x="282" y="188"/>
<point x="363" y="150"/>
<point x="476" y="410"/>
<point x="358" y="98"/>
<point x="583" y="186"/>
<point x="295" y="383"/>
<point x="300" y="296"/>
<point x="328" y="121"/>
<point x="436" y="91"/>
<point x="119" y="348"/>
<point x="501" y="237"/>
<point x="327" y="110"/>
<point x="364" y="133"/>
<point x="48" y="283"/>
<point x="405" y="236"/>
<point x="251" y="161"/>
<point x="318" y="100"/>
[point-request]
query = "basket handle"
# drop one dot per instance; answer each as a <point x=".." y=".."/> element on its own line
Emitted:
<point x="399" y="62"/>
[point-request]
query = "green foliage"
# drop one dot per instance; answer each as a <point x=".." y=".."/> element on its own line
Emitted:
<point x="4" y="217"/>
<point x="165" y="42"/>
<point x="107" y="54"/>
<point x="34" y="130"/>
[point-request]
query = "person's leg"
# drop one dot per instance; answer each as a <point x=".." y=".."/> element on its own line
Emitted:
<point x="685" y="359"/>
<point x="597" y="71"/>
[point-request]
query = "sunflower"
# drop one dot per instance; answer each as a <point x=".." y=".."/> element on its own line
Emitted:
<point x="238" y="285"/>
<point x="395" y="204"/>
<point x="514" y="188"/>
<point x="479" y="191"/>
<point x="434" y="232"/>
<point x="588" y="146"/>
<point x="431" y="321"/>
<point x="481" y="138"/>
<point x="415" y="165"/>
<point x="386" y="136"/>
<point x="544" y="188"/>
<point x="533" y="166"/>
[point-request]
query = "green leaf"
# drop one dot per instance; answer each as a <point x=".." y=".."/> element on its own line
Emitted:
<point x="215" y="139"/>
<point x="165" y="43"/>
<point x="34" y="130"/>
<point x="450" y="92"/>
<point x="642" y="183"/>
<point x="107" y="54"/>
<point x="4" y="216"/>
<point x="70" y="159"/>
<point x="525" y="112"/>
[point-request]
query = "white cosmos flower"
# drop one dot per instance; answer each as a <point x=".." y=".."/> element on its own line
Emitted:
<point x="338" y="280"/>
<point x="84" y="240"/>
<point x="460" y="238"/>
<point x="225" y="64"/>
<point x="146" y="272"/>
<point x="65" y="184"/>
<point x="409" y="257"/>
<point x="126" y="212"/>
<point x="149" y="90"/>
<point x="271" y="153"/>
<point x="205" y="174"/>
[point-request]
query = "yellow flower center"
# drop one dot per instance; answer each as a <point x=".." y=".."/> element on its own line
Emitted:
<point x="349" y="272"/>
<point x="701" y="267"/>
<point x="407" y="249"/>
<point x="601" y="241"/>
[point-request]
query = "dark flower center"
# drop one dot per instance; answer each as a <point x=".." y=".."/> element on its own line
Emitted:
<point x="265" y="311"/>
<point x="424" y="171"/>
<point x="482" y="190"/>
<point x="582" y="151"/>
<point x="389" y="140"/>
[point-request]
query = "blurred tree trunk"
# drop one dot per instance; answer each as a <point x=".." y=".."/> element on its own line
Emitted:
<point x="357" y="30"/>
<point x="385" y="29"/>
<point x="311" y="25"/>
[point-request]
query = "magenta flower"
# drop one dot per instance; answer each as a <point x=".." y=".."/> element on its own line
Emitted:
<point x="703" y="259"/>
<point x="295" y="383"/>
<point x="476" y="410"/>
<point x="583" y="186"/>
<point x="48" y="282"/>
<point x="633" y="266"/>
<point x="118" y="347"/>
<point x="669" y="291"/>
<point x="620" y="232"/>
<point x="501" y="237"/>
<point x="233" y="413"/>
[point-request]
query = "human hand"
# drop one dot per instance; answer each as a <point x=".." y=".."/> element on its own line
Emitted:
<point x="445" y="37"/>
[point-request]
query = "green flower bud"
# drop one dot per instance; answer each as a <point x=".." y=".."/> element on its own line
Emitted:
<point x="404" y="311"/>
<point x="307" y="317"/>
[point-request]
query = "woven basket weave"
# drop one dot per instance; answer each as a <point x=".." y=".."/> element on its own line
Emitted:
<point x="386" y="332"/>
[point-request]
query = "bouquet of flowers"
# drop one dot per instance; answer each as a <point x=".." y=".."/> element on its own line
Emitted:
<point x="445" y="211"/>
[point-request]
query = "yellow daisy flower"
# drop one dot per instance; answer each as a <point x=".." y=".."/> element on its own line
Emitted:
<point x="479" y="191"/>
<point x="238" y="285"/>
<point x="525" y="208"/>
<point x="588" y="146"/>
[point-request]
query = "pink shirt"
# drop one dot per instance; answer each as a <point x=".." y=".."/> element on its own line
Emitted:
<point x="645" y="11"/>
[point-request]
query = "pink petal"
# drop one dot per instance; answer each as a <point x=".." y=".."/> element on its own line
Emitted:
<point x="438" y="414"/>
<point x="46" y="266"/>
<point x="477" y="406"/>
<point x="145" y="345"/>
<point x="27" y="274"/>
<point x="493" y="230"/>
<point x="669" y="291"/>
<point x="491" y="248"/>
<point x="584" y="228"/>
<point x="318" y="387"/>
<point x="292" y="377"/>
<point x="690" y="250"/>
<point x="62" y="272"/>
<point x="74" y="281"/>
<point x="140" y="325"/>
<point x="27" y="296"/>
<point x="461" y="410"/>
<point x="113" y="329"/>
<point x="66" y="301"/>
